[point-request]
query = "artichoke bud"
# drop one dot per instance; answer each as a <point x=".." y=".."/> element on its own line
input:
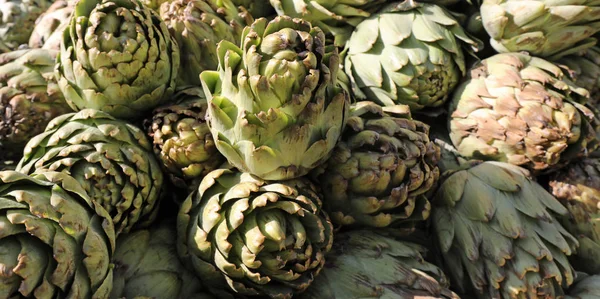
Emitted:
<point x="249" y="237"/>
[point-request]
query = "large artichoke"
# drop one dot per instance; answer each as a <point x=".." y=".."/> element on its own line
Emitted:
<point x="522" y="110"/>
<point x="50" y="25"/>
<point x="17" y="20"/>
<point x="544" y="28"/>
<point x="578" y="188"/>
<point x="113" y="161"/>
<point x="364" y="264"/>
<point x="276" y="109"/>
<point x="118" y="57"/>
<point x="380" y="170"/>
<point x="584" y="68"/>
<point x="407" y="53"/>
<point x="244" y="236"/>
<point x="336" y="17"/>
<point x="29" y="97"/>
<point x="198" y="26"/>
<point x="182" y="139"/>
<point x="55" y="242"/>
<point x="146" y="264"/>
<point x="587" y="287"/>
<point x="498" y="235"/>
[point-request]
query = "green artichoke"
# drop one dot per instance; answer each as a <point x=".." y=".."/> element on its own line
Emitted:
<point x="49" y="27"/>
<point x="55" y="242"/>
<point x="522" y="110"/>
<point x="146" y="264"/>
<point x="407" y="53"/>
<point x="578" y="187"/>
<point x="113" y="161"/>
<point x="544" y="28"/>
<point x="498" y="235"/>
<point x="587" y="287"/>
<point x="584" y="68"/>
<point x="364" y="264"/>
<point x="198" y="26"/>
<point x="380" y="170"/>
<point x="276" y="107"/>
<point x="29" y="98"/>
<point x="336" y="17"/>
<point x="247" y="237"/>
<point x="182" y="139"/>
<point x="118" y="57"/>
<point x="17" y="20"/>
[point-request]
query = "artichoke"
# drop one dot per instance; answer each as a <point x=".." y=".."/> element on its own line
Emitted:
<point x="113" y="161"/>
<point x="246" y="237"/>
<point x="522" y="110"/>
<point x="49" y="27"/>
<point x="584" y="68"/>
<point x="276" y="107"/>
<point x="587" y="287"/>
<point x="17" y="20"/>
<point x="364" y="264"/>
<point x="197" y="27"/>
<point x="258" y="8"/>
<point x="117" y="57"/>
<point x="336" y="17"/>
<point x="498" y="234"/>
<point x="407" y="53"/>
<point x="578" y="188"/>
<point x="55" y="242"/>
<point x="182" y="139"/>
<point x="544" y="28"/>
<point x="380" y="170"/>
<point x="146" y="264"/>
<point x="29" y="98"/>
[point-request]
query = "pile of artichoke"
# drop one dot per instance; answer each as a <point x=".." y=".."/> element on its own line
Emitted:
<point x="283" y="149"/>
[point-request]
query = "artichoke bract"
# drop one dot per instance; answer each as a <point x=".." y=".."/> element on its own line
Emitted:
<point x="407" y="53"/>
<point x="182" y="140"/>
<point x="336" y="17"/>
<point x="543" y="28"/>
<point x="29" y="98"/>
<point x="112" y="159"/>
<point x="380" y="170"/>
<point x="584" y="69"/>
<point x="248" y="237"/>
<point x="55" y="241"/>
<point x="17" y="20"/>
<point x="147" y="264"/>
<point x="522" y="110"/>
<point x="577" y="186"/>
<point x="198" y="26"/>
<point x="49" y="27"/>
<point x="498" y="235"/>
<point x="587" y="287"/>
<point x="276" y="107"/>
<point x="365" y="264"/>
<point x="117" y="57"/>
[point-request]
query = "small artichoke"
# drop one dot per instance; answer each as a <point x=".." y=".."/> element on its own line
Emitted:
<point x="584" y="68"/>
<point x="118" y="57"/>
<point x="498" y="235"/>
<point x="364" y="264"/>
<point x="380" y="170"/>
<point x="587" y="287"/>
<point x="522" y="110"/>
<point x="112" y="159"/>
<point x="17" y="20"/>
<point x="29" y="98"/>
<point x="198" y="26"/>
<point x="578" y="188"/>
<point x="182" y="140"/>
<point x="49" y="27"/>
<point x="407" y="53"/>
<point x="248" y="237"/>
<point x="543" y="28"/>
<point x="276" y="107"/>
<point x="55" y="242"/>
<point x="146" y="264"/>
<point x="336" y="17"/>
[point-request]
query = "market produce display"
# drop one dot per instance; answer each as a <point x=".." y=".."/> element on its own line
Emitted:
<point x="343" y="149"/>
